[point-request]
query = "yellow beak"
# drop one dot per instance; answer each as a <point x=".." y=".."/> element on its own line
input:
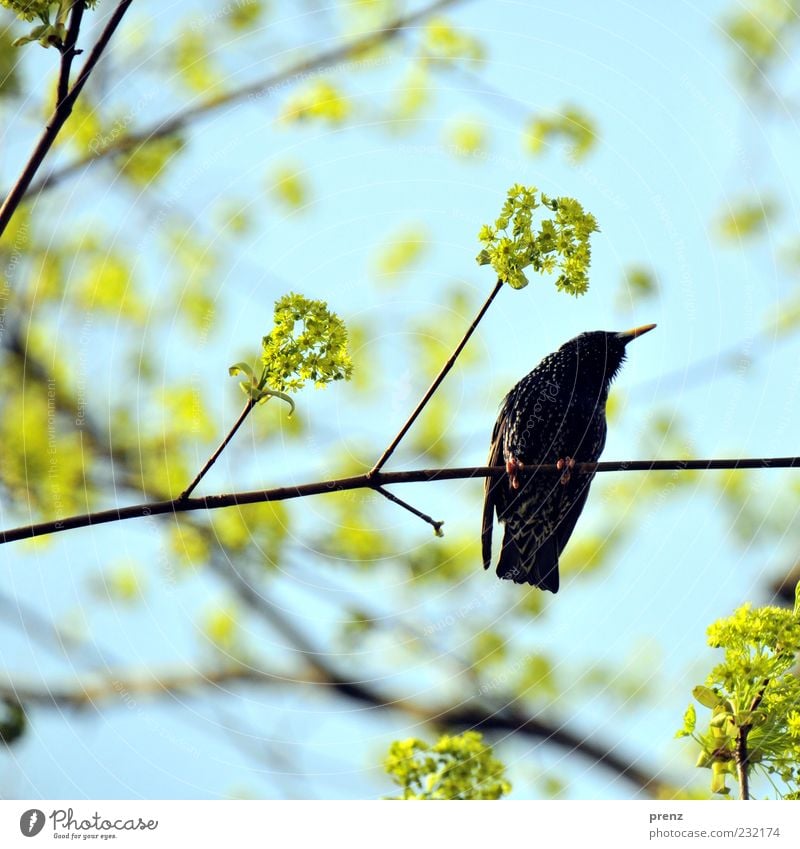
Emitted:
<point x="629" y="335"/>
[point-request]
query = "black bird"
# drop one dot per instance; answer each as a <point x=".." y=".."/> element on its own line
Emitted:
<point x="555" y="415"/>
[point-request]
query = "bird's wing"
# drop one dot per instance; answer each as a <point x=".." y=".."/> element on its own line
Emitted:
<point x="493" y="488"/>
<point x="577" y="500"/>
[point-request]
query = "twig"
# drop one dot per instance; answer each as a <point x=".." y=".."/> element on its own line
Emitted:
<point x="437" y="380"/>
<point x="62" y="110"/>
<point x="371" y="481"/>
<point x="115" y="687"/>
<point x="180" y="119"/>
<point x="742" y="755"/>
<point x="68" y="51"/>
<point x="437" y="526"/>
<point x="213" y="458"/>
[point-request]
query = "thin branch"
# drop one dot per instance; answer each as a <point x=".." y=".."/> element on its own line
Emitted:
<point x="222" y="446"/>
<point x="742" y="766"/>
<point x="92" y="688"/>
<point x="742" y="754"/>
<point x="62" y="110"/>
<point x="437" y="526"/>
<point x="68" y="51"/>
<point x="120" y="688"/>
<point x="180" y="119"/>
<point x="437" y="381"/>
<point x="371" y="481"/>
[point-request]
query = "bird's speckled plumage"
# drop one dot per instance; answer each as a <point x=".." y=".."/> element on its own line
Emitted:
<point x="555" y="412"/>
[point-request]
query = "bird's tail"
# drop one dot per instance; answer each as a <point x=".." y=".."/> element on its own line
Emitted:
<point x="524" y="564"/>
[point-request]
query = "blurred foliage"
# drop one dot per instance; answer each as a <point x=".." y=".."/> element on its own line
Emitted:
<point x="122" y="581"/>
<point x="562" y="242"/>
<point x="146" y="162"/>
<point x="319" y="101"/>
<point x="289" y="185"/>
<point x="466" y="137"/>
<point x="187" y="543"/>
<point x="106" y="284"/>
<point x="262" y="527"/>
<point x="243" y="15"/>
<point x="42" y="463"/>
<point x="401" y="251"/>
<point x="84" y="129"/>
<point x="747" y="218"/>
<point x="455" y="767"/>
<point x="754" y="698"/>
<point x="196" y="68"/>
<point x="414" y="93"/>
<point x="221" y="627"/>
<point x="639" y="285"/>
<point x="12" y="721"/>
<point x="764" y="34"/>
<point x="571" y="125"/>
<point x="9" y="79"/>
<point x="443" y="43"/>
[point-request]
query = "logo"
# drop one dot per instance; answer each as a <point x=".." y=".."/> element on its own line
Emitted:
<point x="31" y="822"/>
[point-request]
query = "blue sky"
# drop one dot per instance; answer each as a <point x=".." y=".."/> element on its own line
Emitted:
<point x="677" y="144"/>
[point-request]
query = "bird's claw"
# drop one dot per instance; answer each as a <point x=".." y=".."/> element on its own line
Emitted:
<point x="513" y="466"/>
<point x="565" y="465"/>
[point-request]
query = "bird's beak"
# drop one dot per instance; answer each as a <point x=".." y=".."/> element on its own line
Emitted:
<point x="630" y="335"/>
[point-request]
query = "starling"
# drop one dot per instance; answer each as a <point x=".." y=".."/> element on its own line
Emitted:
<point x="555" y="415"/>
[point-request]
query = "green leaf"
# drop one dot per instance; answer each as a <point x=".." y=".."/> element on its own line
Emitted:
<point x="263" y="395"/>
<point x="241" y="368"/>
<point x="707" y="697"/>
<point x="689" y="722"/>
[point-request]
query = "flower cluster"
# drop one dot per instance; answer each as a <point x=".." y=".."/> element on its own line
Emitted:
<point x="561" y="241"/>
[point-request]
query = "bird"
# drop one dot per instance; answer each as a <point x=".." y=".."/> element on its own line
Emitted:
<point x="554" y="415"/>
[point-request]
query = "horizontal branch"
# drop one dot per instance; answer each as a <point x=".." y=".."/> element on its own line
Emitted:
<point x="348" y="51"/>
<point x="372" y="481"/>
<point x="125" y="688"/>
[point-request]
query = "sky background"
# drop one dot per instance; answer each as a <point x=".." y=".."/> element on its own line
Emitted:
<point x="678" y="145"/>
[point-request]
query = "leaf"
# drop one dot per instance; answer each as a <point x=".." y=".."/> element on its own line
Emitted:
<point x="707" y="697"/>
<point x="689" y="722"/>
<point x="241" y="368"/>
<point x="265" y="394"/>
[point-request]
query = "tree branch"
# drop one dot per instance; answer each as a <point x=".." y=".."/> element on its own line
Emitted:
<point x="371" y="481"/>
<point x="180" y="119"/>
<point x="122" y="687"/>
<point x="222" y="446"/>
<point x="436" y="382"/>
<point x="63" y="109"/>
<point x="68" y="51"/>
<point x="742" y="755"/>
<point x="390" y="496"/>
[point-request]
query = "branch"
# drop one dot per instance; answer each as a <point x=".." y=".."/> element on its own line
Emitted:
<point x="222" y="446"/>
<point x="742" y="755"/>
<point x="63" y="109"/>
<point x="120" y="688"/>
<point x="437" y="381"/>
<point x="68" y="52"/>
<point x="180" y="119"/>
<point x="469" y="714"/>
<point x="372" y="481"/>
<point x="390" y="496"/>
